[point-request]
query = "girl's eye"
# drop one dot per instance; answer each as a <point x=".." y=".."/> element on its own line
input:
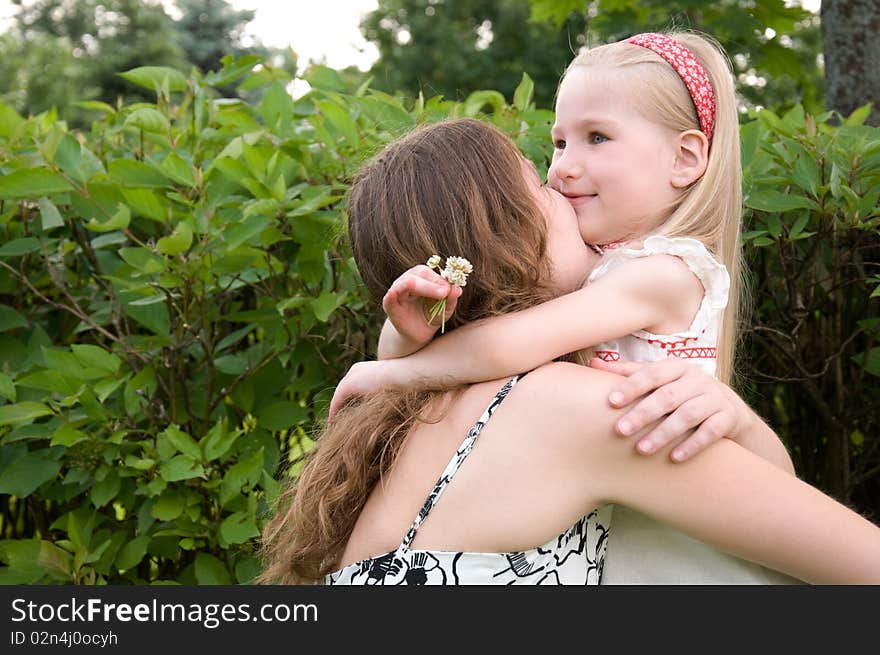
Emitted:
<point x="597" y="138"/>
<point x="559" y="144"/>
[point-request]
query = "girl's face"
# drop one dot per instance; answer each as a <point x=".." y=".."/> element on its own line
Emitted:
<point x="570" y="260"/>
<point x="610" y="162"/>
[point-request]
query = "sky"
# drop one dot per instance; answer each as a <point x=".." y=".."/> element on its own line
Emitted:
<point x="316" y="29"/>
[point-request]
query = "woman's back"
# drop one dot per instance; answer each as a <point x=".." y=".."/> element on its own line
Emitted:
<point x="503" y="518"/>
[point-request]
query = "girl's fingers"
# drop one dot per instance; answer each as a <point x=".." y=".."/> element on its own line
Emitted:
<point x="675" y="426"/>
<point x="711" y="430"/>
<point x="653" y="407"/>
<point x="425" y="272"/>
<point x="644" y="379"/>
<point x="619" y="368"/>
<point x="419" y="287"/>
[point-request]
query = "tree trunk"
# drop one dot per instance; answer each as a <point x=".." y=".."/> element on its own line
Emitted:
<point x="851" y="47"/>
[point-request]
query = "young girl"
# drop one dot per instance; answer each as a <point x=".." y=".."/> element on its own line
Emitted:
<point x="646" y="150"/>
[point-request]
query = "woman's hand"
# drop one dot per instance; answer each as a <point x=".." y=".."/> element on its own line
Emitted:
<point x="409" y="299"/>
<point x="682" y="397"/>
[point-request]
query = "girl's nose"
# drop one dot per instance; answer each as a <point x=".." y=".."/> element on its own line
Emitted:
<point x="565" y="168"/>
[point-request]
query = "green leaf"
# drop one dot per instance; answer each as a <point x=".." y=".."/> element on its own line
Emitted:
<point x="774" y="226"/>
<point x="95" y="105"/>
<point x="148" y="120"/>
<point x="246" y="231"/>
<point x="177" y="242"/>
<point x="276" y="108"/>
<point x="282" y="415"/>
<point x="324" y="78"/>
<point x="10" y="121"/>
<point x="69" y="365"/>
<point x="168" y="506"/>
<point x="231" y="364"/>
<point x="806" y="174"/>
<point x="154" y="317"/>
<point x="178" y="170"/>
<point x="51" y="217"/>
<point x="96" y="357"/>
<point x="245" y="472"/>
<point x="67" y="435"/>
<point x="23" y="411"/>
<point x="183" y="442"/>
<point x="211" y="571"/>
<point x="131" y="554"/>
<point x="799" y="225"/>
<point x="11" y="319"/>
<point x="479" y="99"/>
<point x="147" y="203"/>
<point x="19" y="247"/>
<point x="219" y="441"/>
<point x="142" y="260"/>
<point x="859" y="116"/>
<point x="871" y="362"/>
<point x="68" y="156"/>
<point x="555" y="11"/>
<point x="32" y="183"/>
<point x="522" y="97"/>
<point x="181" y="467"/>
<point x="50" y="381"/>
<point x="104" y="491"/>
<point x="776" y="201"/>
<point x="238" y="528"/>
<point x="21" y="471"/>
<point x="155" y="78"/>
<point x="232" y="70"/>
<point x="7" y="387"/>
<point x="326" y="304"/>
<point x="132" y="173"/>
<point x="340" y="120"/>
<point x="119" y="221"/>
<point x="30" y="560"/>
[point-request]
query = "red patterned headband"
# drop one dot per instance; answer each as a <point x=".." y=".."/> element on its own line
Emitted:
<point x="689" y="69"/>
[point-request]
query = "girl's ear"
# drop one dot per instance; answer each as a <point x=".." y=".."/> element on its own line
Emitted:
<point x="691" y="158"/>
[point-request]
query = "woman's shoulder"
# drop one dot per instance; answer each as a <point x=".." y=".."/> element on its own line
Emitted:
<point x="569" y="396"/>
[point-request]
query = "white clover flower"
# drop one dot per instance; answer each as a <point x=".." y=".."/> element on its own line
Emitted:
<point x="453" y="276"/>
<point x="456" y="272"/>
<point x="459" y="264"/>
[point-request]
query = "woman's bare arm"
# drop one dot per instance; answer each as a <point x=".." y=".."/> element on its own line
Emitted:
<point x="727" y="497"/>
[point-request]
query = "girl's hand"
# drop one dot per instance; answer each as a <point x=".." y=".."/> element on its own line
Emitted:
<point x="410" y="298"/>
<point x="684" y="397"/>
<point x="362" y="378"/>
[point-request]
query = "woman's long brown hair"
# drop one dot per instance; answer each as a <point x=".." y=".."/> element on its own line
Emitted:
<point x="449" y="188"/>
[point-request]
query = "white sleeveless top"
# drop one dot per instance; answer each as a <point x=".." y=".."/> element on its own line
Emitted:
<point x="641" y="550"/>
<point x="698" y="343"/>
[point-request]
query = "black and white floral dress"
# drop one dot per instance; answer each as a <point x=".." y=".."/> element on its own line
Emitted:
<point x="575" y="557"/>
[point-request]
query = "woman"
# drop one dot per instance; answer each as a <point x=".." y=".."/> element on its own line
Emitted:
<point x="537" y="473"/>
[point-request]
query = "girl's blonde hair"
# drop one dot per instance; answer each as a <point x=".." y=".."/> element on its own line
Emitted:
<point x="450" y="188"/>
<point x="710" y="209"/>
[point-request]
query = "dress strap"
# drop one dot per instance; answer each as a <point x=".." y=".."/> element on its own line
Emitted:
<point x="457" y="460"/>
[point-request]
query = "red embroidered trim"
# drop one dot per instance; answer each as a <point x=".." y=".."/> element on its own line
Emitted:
<point x="692" y="353"/>
<point x="667" y="344"/>
<point x="608" y="355"/>
<point x="689" y="69"/>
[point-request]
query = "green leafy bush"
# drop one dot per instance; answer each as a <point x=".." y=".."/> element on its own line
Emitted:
<point x="175" y="309"/>
<point x="813" y="345"/>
